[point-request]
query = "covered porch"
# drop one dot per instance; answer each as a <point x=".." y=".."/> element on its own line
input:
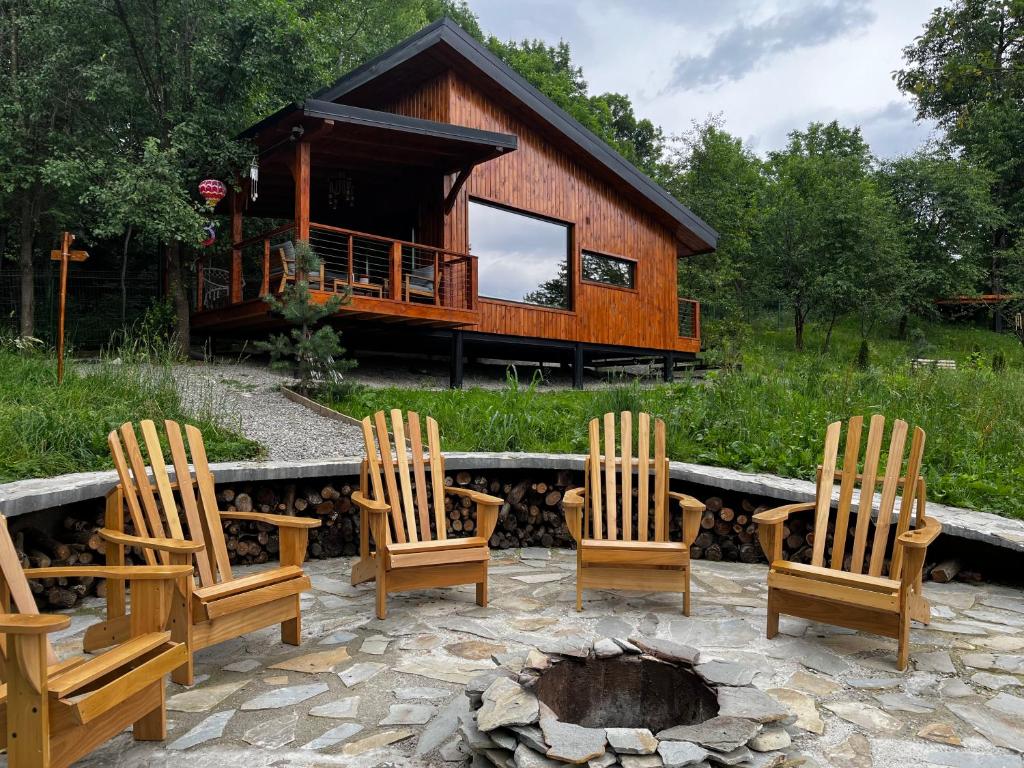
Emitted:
<point x="368" y="190"/>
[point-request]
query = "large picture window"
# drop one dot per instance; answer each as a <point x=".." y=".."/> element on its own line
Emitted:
<point x="520" y="257"/>
<point x="598" y="268"/>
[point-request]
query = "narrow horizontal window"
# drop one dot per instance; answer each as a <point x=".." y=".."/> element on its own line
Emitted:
<point x="598" y="268"/>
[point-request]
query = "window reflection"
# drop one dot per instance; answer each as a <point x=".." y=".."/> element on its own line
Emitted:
<point x="519" y="257"/>
<point x="598" y="268"/>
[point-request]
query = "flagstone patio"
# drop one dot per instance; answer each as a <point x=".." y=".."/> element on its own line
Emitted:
<point x="363" y="692"/>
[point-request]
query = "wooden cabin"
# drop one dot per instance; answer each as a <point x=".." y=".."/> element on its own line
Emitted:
<point x="466" y="214"/>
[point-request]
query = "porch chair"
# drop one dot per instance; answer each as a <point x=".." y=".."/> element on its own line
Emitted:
<point x="850" y="590"/>
<point x="610" y="552"/>
<point x="55" y="712"/>
<point x="420" y="282"/>
<point x="411" y="549"/>
<point x="286" y="254"/>
<point x="223" y="606"/>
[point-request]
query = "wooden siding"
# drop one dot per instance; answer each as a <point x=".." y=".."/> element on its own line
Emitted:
<point x="541" y="178"/>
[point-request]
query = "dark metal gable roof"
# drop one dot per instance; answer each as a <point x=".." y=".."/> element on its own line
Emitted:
<point x="447" y="32"/>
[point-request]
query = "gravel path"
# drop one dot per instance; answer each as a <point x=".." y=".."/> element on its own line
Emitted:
<point x="248" y="398"/>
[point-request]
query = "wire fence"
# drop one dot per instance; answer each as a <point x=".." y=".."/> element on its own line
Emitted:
<point x="94" y="302"/>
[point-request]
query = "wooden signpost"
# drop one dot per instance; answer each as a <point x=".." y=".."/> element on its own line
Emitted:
<point x="64" y="255"/>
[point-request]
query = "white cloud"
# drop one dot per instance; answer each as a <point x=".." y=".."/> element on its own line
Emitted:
<point x="635" y="47"/>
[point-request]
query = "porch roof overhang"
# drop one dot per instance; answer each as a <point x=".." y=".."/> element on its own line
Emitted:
<point x="348" y="133"/>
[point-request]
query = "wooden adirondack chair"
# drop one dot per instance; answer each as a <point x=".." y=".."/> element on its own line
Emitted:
<point x="393" y="507"/>
<point x="846" y="590"/>
<point x="54" y="712"/>
<point x="223" y="606"/>
<point x="610" y="553"/>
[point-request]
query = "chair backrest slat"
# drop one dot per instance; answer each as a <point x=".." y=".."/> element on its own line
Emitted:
<point x="130" y="492"/>
<point x="626" y="437"/>
<point x="415" y="434"/>
<point x="407" y="491"/>
<point x="911" y="489"/>
<point x="16" y="584"/>
<point x="387" y="467"/>
<point x="213" y="528"/>
<point x="595" y="489"/>
<point x="643" y="450"/>
<point x="826" y="479"/>
<point x="890" y="486"/>
<point x="163" y="480"/>
<point x="850" y="460"/>
<point x="187" y="493"/>
<point x="870" y="475"/>
<point x="436" y="477"/>
<point x="404" y="479"/>
<point x="660" y="483"/>
<point x="142" y="484"/>
<point x="611" y="505"/>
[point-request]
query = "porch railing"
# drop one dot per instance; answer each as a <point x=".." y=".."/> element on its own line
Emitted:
<point x="689" y="318"/>
<point x="384" y="268"/>
<point x="368" y="266"/>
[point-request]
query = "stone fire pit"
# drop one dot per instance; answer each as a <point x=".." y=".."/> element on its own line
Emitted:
<point x="638" y="703"/>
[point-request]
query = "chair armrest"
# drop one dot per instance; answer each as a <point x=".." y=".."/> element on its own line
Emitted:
<point x="125" y="572"/>
<point x="687" y="502"/>
<point x="281" y="521"/>
<point x="769" y="527"/>
<point x="175" y="546"/>
<point x="370" y="505"/>
<point x="779" y="514"/>
<point x="32" y="623"/>
<point x="693" y="510"/>
<point x="476" y="496"/>
<point x="572" y="503"/>
<point x="920" y="538"/>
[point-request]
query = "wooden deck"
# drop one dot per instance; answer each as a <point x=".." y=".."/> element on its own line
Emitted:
<point x="255" y="315"/>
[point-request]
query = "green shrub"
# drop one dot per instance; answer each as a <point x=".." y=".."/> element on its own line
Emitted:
<point x="864" y="355"/>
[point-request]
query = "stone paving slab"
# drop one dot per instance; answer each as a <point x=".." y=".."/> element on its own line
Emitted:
<point x="851" y="706"/>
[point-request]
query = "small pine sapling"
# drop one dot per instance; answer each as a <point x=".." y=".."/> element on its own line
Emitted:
<point x="314" y="353"/>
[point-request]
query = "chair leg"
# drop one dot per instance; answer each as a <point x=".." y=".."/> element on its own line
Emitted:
<point x="291" y="630"/>
<point x="686" y="600"/>
<point x="773" y="617"/>
<point x="481" y="589"/>
<point x="903" y="648"/>
<point x="382" y="596"/>
<point x="153" y="726"/>
<point x="185" y="674"/>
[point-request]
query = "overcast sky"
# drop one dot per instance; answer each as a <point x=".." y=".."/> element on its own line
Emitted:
<point x="768" y="66"/>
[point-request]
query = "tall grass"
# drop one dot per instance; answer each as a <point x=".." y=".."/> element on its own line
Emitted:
<point x="48" y="430"/>
<point x="770" y="416"/>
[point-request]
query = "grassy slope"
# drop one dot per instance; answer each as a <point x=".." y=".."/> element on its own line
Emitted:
<point x="48" y="430"/>
<point x="771" y="415"/>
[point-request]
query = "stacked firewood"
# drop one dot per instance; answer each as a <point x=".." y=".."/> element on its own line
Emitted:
<point x="76" y="543"/>
<point x="727" y="533"/>
<point x="531" y="515"/>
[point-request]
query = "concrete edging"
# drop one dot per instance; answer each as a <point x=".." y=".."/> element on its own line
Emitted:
<point x="26" y="496"/>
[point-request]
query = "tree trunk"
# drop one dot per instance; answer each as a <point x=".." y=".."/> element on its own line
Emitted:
<point x="176" y="288"/>
<point x="27" y="324"/>
<point x="124" y="273"/>
<point x="828" y="333"/>
<point x="798" y="327"/>
<point x="901" y="332"/>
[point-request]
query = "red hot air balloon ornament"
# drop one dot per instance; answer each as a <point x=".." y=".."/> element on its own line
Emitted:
<point x="213" y="191"/>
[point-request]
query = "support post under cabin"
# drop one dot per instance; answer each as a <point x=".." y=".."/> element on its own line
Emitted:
<point x="455" y="362"/>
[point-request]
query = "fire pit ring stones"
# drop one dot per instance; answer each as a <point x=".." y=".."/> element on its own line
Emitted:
<point x="635" y="703"/>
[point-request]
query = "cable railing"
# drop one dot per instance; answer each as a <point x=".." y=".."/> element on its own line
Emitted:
<point x="383" y="268"/>
<point x="356" y="263"/>
<point x="689" y="318"/>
